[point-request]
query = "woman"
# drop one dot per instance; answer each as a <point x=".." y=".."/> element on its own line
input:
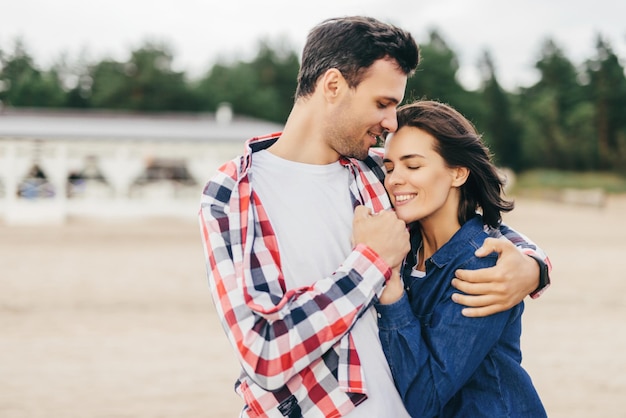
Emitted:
<point x="444" y="186"/>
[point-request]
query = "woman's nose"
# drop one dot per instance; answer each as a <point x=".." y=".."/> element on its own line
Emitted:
<point x="395" y="177"/>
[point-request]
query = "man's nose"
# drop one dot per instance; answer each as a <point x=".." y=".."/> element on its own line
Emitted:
<point x="390" y="123"/>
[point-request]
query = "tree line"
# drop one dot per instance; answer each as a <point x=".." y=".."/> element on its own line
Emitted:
<point x="573" y="118"/>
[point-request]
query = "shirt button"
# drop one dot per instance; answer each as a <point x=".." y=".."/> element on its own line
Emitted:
<point x="379" y="315"/>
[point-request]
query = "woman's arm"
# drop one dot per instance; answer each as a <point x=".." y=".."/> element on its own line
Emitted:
<point x="432" y="360"/>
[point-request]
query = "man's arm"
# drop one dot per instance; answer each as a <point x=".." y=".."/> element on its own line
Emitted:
<point x="277" y="332"/>
<point x="498" y="288"/>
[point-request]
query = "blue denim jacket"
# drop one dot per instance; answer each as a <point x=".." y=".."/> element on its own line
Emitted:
<point x="448" y="365"/>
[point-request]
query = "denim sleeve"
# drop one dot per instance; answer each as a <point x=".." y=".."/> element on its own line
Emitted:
<point x="432" y="357"/>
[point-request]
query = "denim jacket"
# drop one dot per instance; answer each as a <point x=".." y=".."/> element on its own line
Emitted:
<point x="445" y="364"/>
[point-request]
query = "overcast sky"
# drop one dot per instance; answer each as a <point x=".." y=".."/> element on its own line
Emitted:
<point x="201" y="30"/>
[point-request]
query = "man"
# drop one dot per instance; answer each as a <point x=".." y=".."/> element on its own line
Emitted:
<point x="293" y="267"/>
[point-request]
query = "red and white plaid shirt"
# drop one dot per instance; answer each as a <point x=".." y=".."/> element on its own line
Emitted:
<point x="294" y="345"/>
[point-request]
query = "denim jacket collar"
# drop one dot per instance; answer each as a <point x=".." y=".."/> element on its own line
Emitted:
<point x="450" y="249"/>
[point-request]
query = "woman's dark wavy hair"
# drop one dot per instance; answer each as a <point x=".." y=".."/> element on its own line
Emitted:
<point x="459" y="144"/>
<point x="351" y="45"/>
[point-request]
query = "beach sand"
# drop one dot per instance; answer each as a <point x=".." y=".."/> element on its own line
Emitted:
<point x="115" y="319"/>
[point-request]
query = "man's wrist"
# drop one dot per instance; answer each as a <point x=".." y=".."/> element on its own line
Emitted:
<point x="544" y="276"/>
<point x="375" y="259"/>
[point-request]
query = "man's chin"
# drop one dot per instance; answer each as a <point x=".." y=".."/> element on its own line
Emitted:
<point x="362" y="155"/>
<point x="356" y="154"/>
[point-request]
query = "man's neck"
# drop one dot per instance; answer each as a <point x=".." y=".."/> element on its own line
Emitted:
<point x="303" y="139"/>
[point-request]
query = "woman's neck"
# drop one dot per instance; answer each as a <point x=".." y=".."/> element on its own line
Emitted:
<point x="436" y="231"/>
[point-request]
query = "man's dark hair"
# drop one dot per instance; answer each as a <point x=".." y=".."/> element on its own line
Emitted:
<point x="352" y="45"/>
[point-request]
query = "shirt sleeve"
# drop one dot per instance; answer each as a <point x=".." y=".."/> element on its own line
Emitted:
<point x="525" y="245"/>
<point x="432" y="357"/>
<point x="276" y="332"/>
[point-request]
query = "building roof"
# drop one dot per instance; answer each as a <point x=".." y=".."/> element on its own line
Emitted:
<point x="110" y="125"/>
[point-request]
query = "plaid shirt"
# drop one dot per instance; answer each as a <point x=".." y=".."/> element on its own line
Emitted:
<point x="294" y="345"/>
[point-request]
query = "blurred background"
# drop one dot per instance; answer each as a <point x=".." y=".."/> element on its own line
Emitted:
<point x="114" y="114"/>
<point x="544" y="83"/>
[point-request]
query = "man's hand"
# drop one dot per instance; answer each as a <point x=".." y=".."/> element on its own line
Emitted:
<point x="498" y="288"/>
<point x="383" y="232"/>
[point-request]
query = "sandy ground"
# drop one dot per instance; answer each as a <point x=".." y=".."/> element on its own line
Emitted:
<point x="114" y="319"/>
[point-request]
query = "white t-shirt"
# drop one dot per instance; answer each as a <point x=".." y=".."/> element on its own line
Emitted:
<point x="310" y="209"/>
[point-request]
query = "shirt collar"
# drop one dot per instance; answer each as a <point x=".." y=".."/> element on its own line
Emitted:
<point x="452" y="248"/>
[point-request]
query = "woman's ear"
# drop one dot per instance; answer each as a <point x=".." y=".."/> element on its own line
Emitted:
<point x="459" y="176"/>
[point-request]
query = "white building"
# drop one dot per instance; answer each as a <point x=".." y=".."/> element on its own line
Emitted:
<point x="56" y="165"/>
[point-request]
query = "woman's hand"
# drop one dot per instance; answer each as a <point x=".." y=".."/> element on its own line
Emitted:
<point x="394" y="289"/>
